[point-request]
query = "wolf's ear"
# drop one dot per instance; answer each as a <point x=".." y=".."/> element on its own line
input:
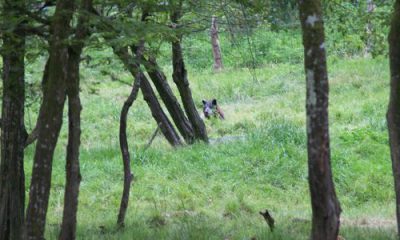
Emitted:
<point x="214" y="102"/>
<point x="204" y="102"/>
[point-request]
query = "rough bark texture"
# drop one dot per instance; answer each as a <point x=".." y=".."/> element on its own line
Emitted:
<point x="123" y="141"/>
<point x="50" y="120"/>
<point x="157" y="112"/>
<point x="393" y="114"/>
<point x="13" y="133"/>
<point x="180" y="78"/>
<point x="160" y="82"/>
<point x="68" y="227"/>
<point x="325" y="205"/>
<point x="215" y="44"/>
<point x="132" y="64"/>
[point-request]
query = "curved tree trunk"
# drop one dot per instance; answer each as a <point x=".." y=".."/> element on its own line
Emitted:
<point x="169" y="99"/>
<point x="180" y="78"/>
<point x="13" y="133"/>
<point x="325" y="205"/>
<point x="50" y="121"/>
<point x="393" y="114"/>
<point x="123" y="141"/>
<point x="68" y="226"/>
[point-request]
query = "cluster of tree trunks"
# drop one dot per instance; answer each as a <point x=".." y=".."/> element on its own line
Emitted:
<point x="180" y="78"/>
<point x="50" y="120"/>
<point x="325" y="205"/>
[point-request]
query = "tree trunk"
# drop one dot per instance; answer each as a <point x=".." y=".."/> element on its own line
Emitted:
<point x="180" y="78"/>
<point x="162" y="120"/>
<point x="13" y="133"/>
<point x="123" y="141"/>
<point x="369" y="42"/>
<point x="215" y="45"/>
<point x="68" y="226"/>
<point x="169" y="99"/>
<point x="325" y="205"/>
<point x="158" y="113"/>
<point x="50" y="121"/>
<point x="393" y="114"/>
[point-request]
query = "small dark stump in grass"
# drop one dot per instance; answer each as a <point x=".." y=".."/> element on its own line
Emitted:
<point x="268" y="218"/>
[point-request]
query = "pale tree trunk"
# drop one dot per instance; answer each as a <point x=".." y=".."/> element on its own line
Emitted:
<point x="180" y="78"/>
<point x="69" y="221"/>
<point x="50" y="121"/>
<point x="215" y="44"/>
<point x="369" y="42"/>
<point x="325" y="205"/>
<point x="393" y="114"/>
<point x="13" y="133"/>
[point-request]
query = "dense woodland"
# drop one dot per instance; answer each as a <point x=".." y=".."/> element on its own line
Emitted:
<point x="198" y="119"/>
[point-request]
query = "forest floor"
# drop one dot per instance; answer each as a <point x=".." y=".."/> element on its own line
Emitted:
<point x="216" y="191"/>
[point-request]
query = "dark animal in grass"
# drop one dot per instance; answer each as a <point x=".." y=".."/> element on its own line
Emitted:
<point x="211" y="108"/>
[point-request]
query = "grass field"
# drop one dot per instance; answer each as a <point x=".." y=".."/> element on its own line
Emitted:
<point x="216" y="191"/>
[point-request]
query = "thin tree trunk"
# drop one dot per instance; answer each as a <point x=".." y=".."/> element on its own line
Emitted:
<point x="158" y="113"/>
<point x="369" y="42"/>
<point x="50" y="121"/>
<point x="325" y="205"/>
<point x="393" y="114"/>
<point x="169" y="99"/>
<point x="215" y="44"/>
<point x="68" y="227"/>
<point x="123" y="141"/>
<point x="13" y="133"/>
<point x="180" y="78"/>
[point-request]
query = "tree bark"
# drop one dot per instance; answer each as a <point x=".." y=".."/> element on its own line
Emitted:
<point x="325" y="205"/>
<point x="160" y="82"/>
<point x="180" y="78"/>
<point x="68" y="226"/>
<point x="157" y="112"/>
<point x="50" y="121"/>
<point x="393" y="113"/>
<point x="123" y="141"/>
<point x="133" y="66"/>
<point x="215" y="44"/>
<point x="13" y="133"/>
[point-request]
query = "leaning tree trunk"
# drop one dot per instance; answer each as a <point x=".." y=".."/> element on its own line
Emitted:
<point x="169" y="99"/>
<point x="68" y="226"/>
<point x="50" y="115"/>
<point x="180" y="78"/>
<point x="13" y="134"/>
<point x="133" y="66"/>
<point x="393" y="114"/>
<point x="123" y="141"/>
<point x="215" y="44"/>
<point x="325" y="205"/>
<point x="158" y="113"/>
